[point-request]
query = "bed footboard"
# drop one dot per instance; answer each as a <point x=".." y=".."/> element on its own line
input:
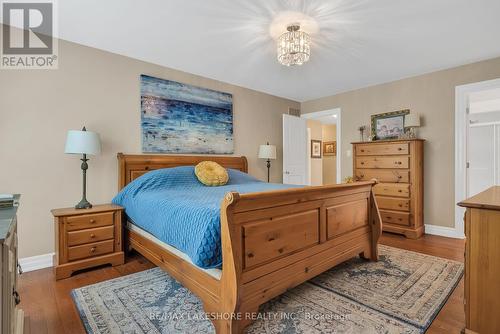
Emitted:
<point x="274" y="241"/>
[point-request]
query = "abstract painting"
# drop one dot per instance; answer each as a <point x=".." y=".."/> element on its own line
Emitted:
<point x="180" y="118"/>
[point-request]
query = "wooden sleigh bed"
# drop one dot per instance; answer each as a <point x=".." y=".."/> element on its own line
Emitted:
<point x="271" y="241"/>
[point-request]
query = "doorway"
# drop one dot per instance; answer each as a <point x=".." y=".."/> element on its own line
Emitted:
<point x="477" y="141"/>
<point x="325" y="126"/>
<point x="298" y="166"/>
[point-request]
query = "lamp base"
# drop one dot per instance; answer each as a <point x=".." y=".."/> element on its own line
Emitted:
<point x="84" y="204"/>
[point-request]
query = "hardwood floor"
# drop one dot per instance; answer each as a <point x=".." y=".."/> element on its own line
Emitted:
<point x="49" y="308"/>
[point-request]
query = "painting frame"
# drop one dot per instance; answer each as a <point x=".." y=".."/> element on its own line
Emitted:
<point x="179" y="118"/>
<point x="315" y="149"/>
<point x="389" y="125"/>
<point x="330" y="148"/>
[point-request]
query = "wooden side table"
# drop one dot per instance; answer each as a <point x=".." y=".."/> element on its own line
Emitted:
<point x="87" y="238"/>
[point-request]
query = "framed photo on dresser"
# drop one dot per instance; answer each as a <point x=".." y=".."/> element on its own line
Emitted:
<point x="389" y="125"/>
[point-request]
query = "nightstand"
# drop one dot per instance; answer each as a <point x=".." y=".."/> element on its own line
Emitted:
<point x="87" y="238"/>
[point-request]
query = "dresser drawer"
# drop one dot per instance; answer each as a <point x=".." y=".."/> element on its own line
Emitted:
<point x="89" y="250"/>
<point x="393" y="203"/>
<point x="397" y="218"/>
<point x="383" y="175"/>
<point x="383" y="149"/>
<point x="90" y="235"/>
<point x="383" y="162"/>
<point x="89" y="221"/>
<point x="392" y="189"/>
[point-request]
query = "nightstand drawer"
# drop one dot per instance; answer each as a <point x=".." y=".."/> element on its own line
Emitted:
<point x="89" y="250"/>
<point x="90" y="235"/>
<point x="89" y="221"/>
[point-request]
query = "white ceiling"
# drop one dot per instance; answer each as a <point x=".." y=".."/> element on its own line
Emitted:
<point x="356" y="43"/>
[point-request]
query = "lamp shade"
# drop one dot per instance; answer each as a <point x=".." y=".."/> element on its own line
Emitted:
<point x="83" y="142"/>
<point x="267" y="151"/>
<point x="412" y="121"/>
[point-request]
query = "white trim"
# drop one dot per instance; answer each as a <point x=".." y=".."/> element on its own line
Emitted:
<point x="36" y="262"/>
<point x="461" y="104"/>
<point x="443" y="231"/>
<point x="309" y="168"/>
<point x="331" y="112"/>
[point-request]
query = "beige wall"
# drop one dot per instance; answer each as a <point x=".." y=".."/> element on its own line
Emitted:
<point x="433" y="96"/>
<point x="316" y="165"/>
<point x="100" y="90"/>
<point x="329" y="132"/>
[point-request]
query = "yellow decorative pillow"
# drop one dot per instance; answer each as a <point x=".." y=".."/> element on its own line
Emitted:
<point x="211" y="173"/>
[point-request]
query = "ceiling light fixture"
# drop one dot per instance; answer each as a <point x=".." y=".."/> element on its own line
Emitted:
<point x="294" y="46"/>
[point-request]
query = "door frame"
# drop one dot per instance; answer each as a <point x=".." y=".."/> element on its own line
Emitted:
<point x="462" y="93"/>
<point x="330" y="112"/>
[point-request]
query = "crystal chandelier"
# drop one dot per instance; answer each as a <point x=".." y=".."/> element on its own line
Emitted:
<point x="294" y="46"/>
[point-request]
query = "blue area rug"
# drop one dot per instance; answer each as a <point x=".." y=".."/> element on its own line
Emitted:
<point x="401" y="293"/>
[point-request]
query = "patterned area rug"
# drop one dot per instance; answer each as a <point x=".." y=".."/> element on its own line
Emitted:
<point x="401" y="293"/>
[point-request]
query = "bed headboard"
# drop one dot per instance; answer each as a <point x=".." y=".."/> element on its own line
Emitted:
<point x="131" y="166"/>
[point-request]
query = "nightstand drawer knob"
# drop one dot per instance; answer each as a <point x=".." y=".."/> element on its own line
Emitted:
<point x="92" y="236"/>
<point x="92" y="250"/>
<point x="92" y="221"/>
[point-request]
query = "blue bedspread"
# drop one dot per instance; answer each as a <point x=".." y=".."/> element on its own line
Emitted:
<point x="176" y="208"/>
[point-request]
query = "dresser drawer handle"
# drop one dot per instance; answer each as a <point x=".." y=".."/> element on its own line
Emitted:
<point x="362" y="163"/>
<point x="400" y="149"/>
<point x="400" y="205"/>
<point x="398" y="162"/>
<point x="92" y="250"/>
<point x="362" y="150"/>
<point x="400" y="191"/>
<point x="92" y="221"/>
<point x="92" y="236"/>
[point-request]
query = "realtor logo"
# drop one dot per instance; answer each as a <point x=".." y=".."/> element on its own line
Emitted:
<point x="27" y="35"/>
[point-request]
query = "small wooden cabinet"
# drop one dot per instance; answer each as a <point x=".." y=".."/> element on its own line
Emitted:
<point x="11" y="316"/>
<point x="398" y="167"/>
<point x="482" y="262"/>
<point x="87" y="238"/>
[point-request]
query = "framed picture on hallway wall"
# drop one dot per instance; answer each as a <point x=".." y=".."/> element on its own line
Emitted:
<point x="330" y="148"/>
<point x="316" y="149"/>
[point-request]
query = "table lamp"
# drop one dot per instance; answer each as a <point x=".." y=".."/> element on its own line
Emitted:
<point x="267" y="152"/>
<point x="83" y="142"/>
<point x="412" y="121"/>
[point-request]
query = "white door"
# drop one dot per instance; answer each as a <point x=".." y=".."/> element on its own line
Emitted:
<point x="294" y="150"/>
<point x="483" y="152"/>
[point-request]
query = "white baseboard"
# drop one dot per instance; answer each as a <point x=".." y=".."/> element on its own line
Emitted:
<point x="36" y="262"/>
<point x="443" y="231"/>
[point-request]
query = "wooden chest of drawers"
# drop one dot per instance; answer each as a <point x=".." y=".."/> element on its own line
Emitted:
<point x="482" y="262"/>
<point x="87" y="237"/>
<point x="398" y="167"/>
